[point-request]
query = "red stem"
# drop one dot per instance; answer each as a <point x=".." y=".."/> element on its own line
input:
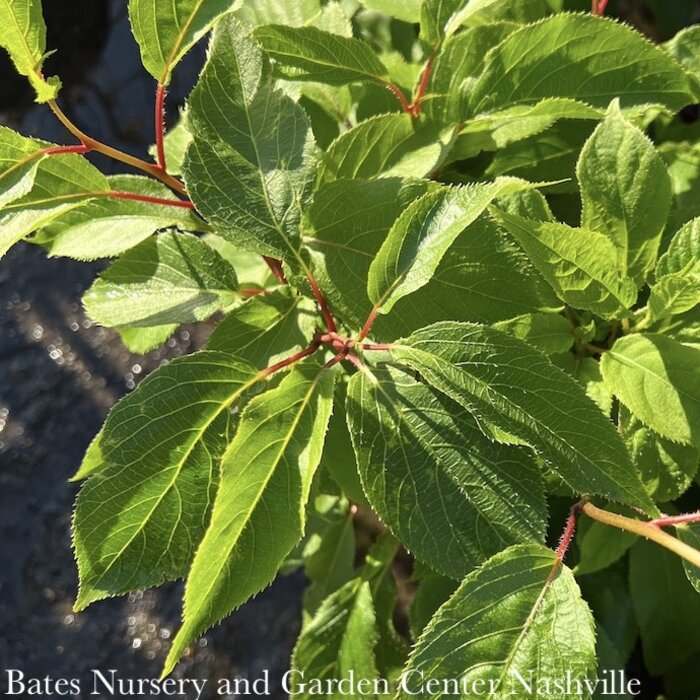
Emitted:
<point x="401" y="98"/>
<point x="184" y="204"/>
<point x="276" y="269"/>
<point x="569" y="531"/>
<point x="355" y="360"/>
<point x="160" y="125"/>
<point x="61" y="150"/>
<point x="338" y="358"/>
<point x="425" y="78"/>
<point x="291" y="360"/>
<point x="668" y="520"/>
<point x="325" y="309"/>
<point x="368" y="324"/>
<point x="252" y="292"/>
<point x="376" y="346"/>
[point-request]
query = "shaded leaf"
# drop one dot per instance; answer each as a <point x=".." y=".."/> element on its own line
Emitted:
<point x="450" y="495"/>
<point x="498" y="378"/>
<point x="658" y="379"/>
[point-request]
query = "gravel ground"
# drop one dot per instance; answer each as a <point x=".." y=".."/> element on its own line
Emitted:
<point x="58" y="377"/>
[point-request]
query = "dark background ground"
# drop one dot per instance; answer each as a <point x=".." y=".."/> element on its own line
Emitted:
<point x="59" y="375"/>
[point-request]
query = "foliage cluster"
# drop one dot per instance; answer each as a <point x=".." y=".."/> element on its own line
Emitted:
<point x="453" y="248"/>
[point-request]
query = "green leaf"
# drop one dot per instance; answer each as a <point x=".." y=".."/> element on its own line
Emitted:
<point x="499" y="379"/>
<point x="667" y="468"/>
<point x="331" y="566"/>
<point x="166" y="31"/>
<point x="406" y="11"/>
<point x="93" y="460"/>
<point x="484" y="277"/>
<point x="138" y="520"/>
<point x="483" y="12"/>
<point x="267" y="469"/>
<point x="432" y="592"/>
<point x="19" y="160"/>
<point x="550" y="333"/>
<point x="169" y="278"/>
<point x="666" y="606"/>
<point x="575" y="262"/>
<point x="294" y="14"/>
<point x="690" y="534"/>
<point x="435" y="16"/>
<point x="61" y="183"/>
<point x="309" y="53"/>
<point x="685" y="48"/>
<point x="493" y="131"/>
<point x="514" y="625"/>
<point x="683" y="253"/>
<point x="581" y="57"/>
<point x="658" y="379"/>
<point x="674" y="294"/>
<point x="451" y="496"/>
<point x="141" y="340"/>
<point x="422" y="235"/>
<point x="106" y="227"/>
<point x="551" y="153"/>
<point x="626" y="192"/>
<point x="460" y="59"/>
<point x="23" y="35"/>
<point x="266" y="328"/>
<point x="339" y="456"/>
<point x="683" y="162"/>
<point x="586" y="371"/>
<point x="338" y="641"/>
<point x="250" y="163"/>
<point x="345" y="225"/>
<point x="390" y="145"/>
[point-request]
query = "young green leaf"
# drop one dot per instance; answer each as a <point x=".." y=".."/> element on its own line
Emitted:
<point x="581" y="57"/>
<point x="343" y="635"/>
<point x="483" y="12"/>
<point x="447" y="492"/>
<point x="674" y="295"/>
<point x="61" y="183"/>
<point x="626" y="192"/>
<point x="339" y="640"/>
<point x="483" y="277"/>
<point x="575" y="262"/>
<point x="19" y="160"/>
<point x="250" y="164"/>
<point x="140" y="340"/>
<point x="658" y="379"/>
<point x="138" y="521"/>
<point x="514" y="625"/>
<point x="497" y="378"/>
<point x="345" y="225"/>
<point x="667" y="468"/>
<point x="390" y="145"/>
<point x="309" y="53"/>
<point x="266" y="328"/>
<point x="422" y="235"/>
<point x="169" y="278"/>
<point x="166" y="31"/>
<point x="267" y="469"/>
<point x="23" y="35"/>
<point x="683" y="254"/>
<point x="666" y="606"/>
<point x="685" y="48"/>
<point x="103" y="228"/>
